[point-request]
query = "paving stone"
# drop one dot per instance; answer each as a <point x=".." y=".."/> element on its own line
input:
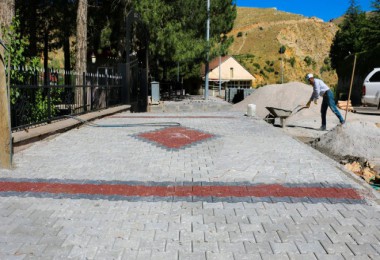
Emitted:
<point x="286" y="247"/>
<point x="359" y="257"/>
<point x="201" y="246"/>
<point x="217" y="256"/>
<point x="336" y="248"/>
<point x="192" y="255"/>
<point x="309" y="256"/>
<point x="164" y="255"/>
<point x="364" y="249"/>
<point x="313" y="247"/>
<point x="321" y="256"/>
<point x="266" y="256"/>
<point x="260" y="247"/>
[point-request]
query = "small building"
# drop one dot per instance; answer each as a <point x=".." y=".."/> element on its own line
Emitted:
<point x="232" y="74"/>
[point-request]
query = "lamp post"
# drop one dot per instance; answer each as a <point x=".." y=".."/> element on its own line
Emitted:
<point x="93" y="58"/>
<point x="207" y="57"/>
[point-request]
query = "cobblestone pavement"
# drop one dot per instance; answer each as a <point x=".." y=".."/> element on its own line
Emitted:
<point x="183" y="186"/>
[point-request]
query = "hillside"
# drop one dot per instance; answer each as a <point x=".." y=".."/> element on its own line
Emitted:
<point x="259" y="33"/>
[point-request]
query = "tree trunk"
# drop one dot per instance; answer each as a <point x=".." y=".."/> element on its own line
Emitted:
<point x="7" y="11"/>
<point x="81" y="50"/>
<point x="66" y="44"/>
<point x="6" y="16"/>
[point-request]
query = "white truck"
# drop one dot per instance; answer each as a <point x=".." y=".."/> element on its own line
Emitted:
<point x="371" y="88"/>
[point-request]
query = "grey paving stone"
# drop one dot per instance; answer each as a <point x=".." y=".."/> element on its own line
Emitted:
<point x="267" y="237"/>
<point x="178" y="246"/>
<point x="195" y="235"/>
<point x="164" y="256"/>
<point x="217" y="256"/>
<point x="285" y="247"/>
<point x="308" y="256"/>
<point x="152" y="245"/>
<point x="192" y="255"/>
<point x="364" y="249"/>
<point x="321" y="256"/>
<point x="260" y="247"/>
<point x="313" y="247"/>
<point x="202" y="246"/>
<point x="359" y="257"/>
<point x="336" y="248"/>
<point x="266" y="256"/>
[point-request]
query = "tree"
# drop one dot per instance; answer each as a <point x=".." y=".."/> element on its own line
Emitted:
<point x="350" y="38"/>
<point x="373" y="29"/>
<point x="178" y="28"/>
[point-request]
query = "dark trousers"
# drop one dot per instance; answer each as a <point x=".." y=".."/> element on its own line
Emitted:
<point x="328" y="101"/>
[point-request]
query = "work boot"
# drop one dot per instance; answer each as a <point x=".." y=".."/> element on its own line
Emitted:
<point x="322" y="128"/>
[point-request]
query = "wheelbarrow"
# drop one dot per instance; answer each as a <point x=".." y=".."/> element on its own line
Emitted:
<point x="282" y="114"/>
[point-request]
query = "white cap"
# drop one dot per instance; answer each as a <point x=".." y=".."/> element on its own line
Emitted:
<point x="309" y="76"/>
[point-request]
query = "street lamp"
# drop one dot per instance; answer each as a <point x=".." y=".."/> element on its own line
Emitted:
<point x="207" y="59"/>
<point x="93" y="58"/>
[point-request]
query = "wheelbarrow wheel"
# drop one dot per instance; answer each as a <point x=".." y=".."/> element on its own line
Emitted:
<point x="270" y="119"/>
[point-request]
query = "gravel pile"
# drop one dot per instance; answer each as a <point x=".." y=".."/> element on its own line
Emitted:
<point x="356" y="138"/>
<point x="285" y="96"/>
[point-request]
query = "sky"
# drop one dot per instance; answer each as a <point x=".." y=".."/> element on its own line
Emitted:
<point x="324" y="9"/>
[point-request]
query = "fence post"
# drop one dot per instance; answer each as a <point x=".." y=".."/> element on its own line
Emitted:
<point x="106" y="89"/>
<point x="84" y="96"/>
<point x="92" y="91"/>
<point x="48" y="94"/>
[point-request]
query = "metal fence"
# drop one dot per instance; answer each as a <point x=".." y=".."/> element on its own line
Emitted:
<point x="40" y="97"/>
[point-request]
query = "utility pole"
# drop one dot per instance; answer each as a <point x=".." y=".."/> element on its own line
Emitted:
<point x="5" y="121"/>
<point x="208" y="51"/>
<point x="220" y="74"/>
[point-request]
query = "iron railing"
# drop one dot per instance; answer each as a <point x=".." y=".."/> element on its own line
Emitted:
<point x="38" y="97"/>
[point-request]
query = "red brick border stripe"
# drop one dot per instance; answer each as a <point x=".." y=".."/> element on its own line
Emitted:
<point x="198" y="117"/>
<point x="273" y="190"/>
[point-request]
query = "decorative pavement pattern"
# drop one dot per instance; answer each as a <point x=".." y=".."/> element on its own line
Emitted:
<point x="224" y="187"/>
<point x="194" y="191"/>
<point x="175" y="137"/>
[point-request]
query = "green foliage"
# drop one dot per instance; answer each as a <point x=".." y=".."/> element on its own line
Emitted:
<point x="282" y="49"/>
<point x="239" y="34"/>
<point x="256" y="65"/>
<point x="105" y="36"/>
<point x="38" y="101"/>
<point x="292" y="61"/>
<point x="16" y="49"/>
<point x="269" y="69"/>
<point x="177" y="29"/>
<point x="309" y="61"/>
<point x="351" y="36"/>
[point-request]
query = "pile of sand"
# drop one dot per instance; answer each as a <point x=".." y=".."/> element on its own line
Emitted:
<point x="356" y="138"/>
<point x="285" y="96"/>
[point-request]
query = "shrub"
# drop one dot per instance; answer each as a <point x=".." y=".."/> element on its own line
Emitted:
<point x="292" y="61"/>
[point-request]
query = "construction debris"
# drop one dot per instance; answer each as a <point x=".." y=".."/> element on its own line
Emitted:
<point x="365" y="171"/>
<point x="342" y="104"/>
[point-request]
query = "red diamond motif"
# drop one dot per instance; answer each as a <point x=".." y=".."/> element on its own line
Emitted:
<point x="175" y="137"/>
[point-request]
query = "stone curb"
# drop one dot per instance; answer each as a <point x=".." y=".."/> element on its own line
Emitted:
<point x="22" y="139"/>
